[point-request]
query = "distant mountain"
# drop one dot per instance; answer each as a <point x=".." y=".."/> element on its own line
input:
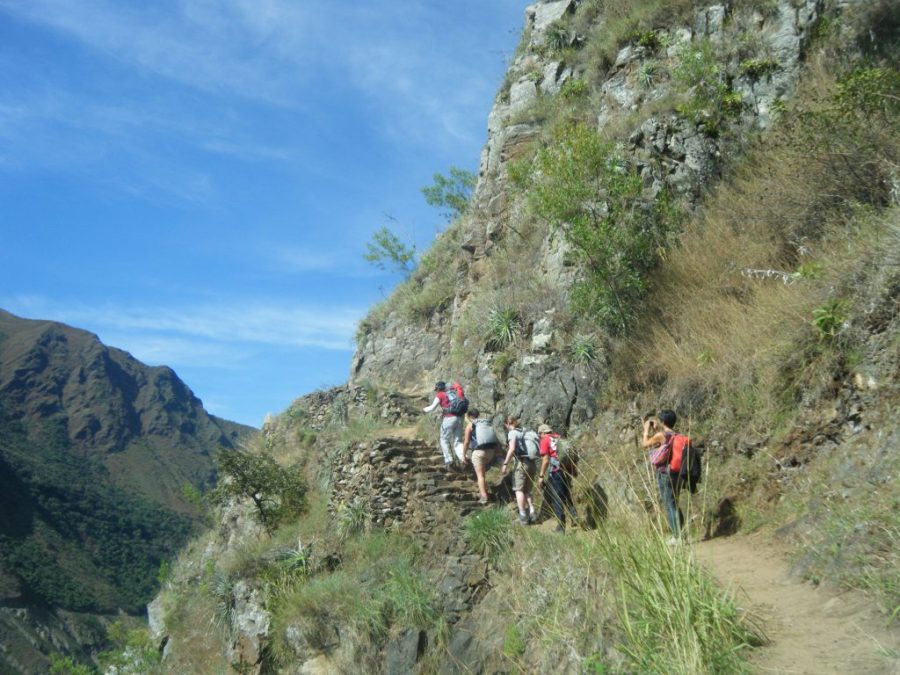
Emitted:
<point x="96" y="449"/>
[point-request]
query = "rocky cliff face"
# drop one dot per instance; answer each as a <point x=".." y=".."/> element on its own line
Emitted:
<point x="95" y="450"/>
<point x="684" y="156"/>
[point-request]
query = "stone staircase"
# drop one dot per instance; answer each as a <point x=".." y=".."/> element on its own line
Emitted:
<point x="404" y="481"/>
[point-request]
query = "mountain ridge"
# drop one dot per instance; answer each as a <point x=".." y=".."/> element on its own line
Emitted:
<point x="96" y="451"/>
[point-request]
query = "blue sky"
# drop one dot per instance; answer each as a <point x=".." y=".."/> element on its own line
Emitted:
<point x="195" y="180"/>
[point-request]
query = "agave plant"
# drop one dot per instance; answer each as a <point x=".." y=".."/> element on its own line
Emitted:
<point x="504" y="325"/>
<point x="584" y="349"/>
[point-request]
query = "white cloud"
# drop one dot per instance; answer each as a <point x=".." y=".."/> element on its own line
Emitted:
<point x="301" y="260"/>
<point x="177" y="351"/>
<point x="228" y="325"/>
<point x="274" y="51"/>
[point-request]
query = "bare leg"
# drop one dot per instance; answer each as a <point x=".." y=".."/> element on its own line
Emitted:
<point x="482" y="486"/>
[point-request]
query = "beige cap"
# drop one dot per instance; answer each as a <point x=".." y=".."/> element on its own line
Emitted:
<point x="545" y="429"/>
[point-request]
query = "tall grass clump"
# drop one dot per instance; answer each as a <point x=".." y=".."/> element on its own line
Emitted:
<point x="489" y="533"/>
<point x="673" y="616"/>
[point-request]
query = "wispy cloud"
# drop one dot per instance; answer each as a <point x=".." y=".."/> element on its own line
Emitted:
<point x="298" y="260"/>
<point x="177" y="351"/>
<point x="281" y="53"/>
<point x="230" y="326"/>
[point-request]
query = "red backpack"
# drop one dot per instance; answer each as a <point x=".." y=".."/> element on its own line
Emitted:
<point x="679" y="443"/>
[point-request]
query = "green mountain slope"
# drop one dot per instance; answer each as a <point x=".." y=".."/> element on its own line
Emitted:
<point x="96" y="449"/>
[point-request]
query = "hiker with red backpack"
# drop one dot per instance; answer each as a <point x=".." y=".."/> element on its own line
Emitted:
<point x="660" y="435"/>
<point x="555" y="476"/>
<point x="453" y="404"/>
<point x="676" y="462"/>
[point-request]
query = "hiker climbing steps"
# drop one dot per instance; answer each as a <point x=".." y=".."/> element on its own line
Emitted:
<point x="402" y="480"/>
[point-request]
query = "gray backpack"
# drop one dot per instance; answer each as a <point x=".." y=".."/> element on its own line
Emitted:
<point x="483" y="434"/>
<point x="528" y="444"/>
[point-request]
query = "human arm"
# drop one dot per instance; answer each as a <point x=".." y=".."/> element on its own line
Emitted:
<point x="652" y="436"/>
<point x="467" y="438"/>
<point x="545" y="457"/>
<point x="434" y="405"/>
<point x="511" y="450"/>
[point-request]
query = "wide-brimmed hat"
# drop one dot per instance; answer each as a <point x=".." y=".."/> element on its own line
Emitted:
<point x="545" y="429"/>
<point x="440" y="385"/>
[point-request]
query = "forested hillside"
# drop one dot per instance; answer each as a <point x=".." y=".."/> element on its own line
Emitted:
<point x="100" y="457"/>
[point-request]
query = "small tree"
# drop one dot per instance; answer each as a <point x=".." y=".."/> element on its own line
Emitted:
<point x="451" y="192"/>
<point x="388" y="252"/>
<point x="275" y="491"/>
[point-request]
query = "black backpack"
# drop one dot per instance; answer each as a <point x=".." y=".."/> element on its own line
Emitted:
<point x="459" y="404"/>
<point x="691" y="469"/>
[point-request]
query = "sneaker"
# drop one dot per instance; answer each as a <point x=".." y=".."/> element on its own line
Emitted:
<point x="532" y="517"/>
<point x="672" y="541"/>
<point x="523" y="519"/>
<point x="482" y="500"/>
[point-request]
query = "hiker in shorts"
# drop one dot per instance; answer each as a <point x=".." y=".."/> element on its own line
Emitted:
<point x="480" y="440"/>
<point x="554" y="476"/>
<point x="658" y="433"/>
<point x="451" y="429"/>
<point x="523" y="474"/>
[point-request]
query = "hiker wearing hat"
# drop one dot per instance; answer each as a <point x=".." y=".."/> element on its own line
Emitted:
<point x="451" y="429"/>
<point x="553" y="475"/>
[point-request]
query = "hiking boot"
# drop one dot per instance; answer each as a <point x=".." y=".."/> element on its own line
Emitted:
<point x="672" y="541"/>
<point x="523" y="519"/>
<point x="482" y="500"/>
<point x="532" y="517"/>
<point x="560" y="528"/>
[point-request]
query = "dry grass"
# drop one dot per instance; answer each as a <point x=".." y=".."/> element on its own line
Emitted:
<point x="718" y="333"/>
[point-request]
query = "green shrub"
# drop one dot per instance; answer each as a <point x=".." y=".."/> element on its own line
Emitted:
<point x="647" y="73"/>
<point x="352" y="519"/>
<point x="133" y="651"/>
<point x="758" y="68"/>
<point x="699" y="73"/>
<point x="66" y="665"/>
<point x="648" y="39"/>
<point x="583" y="187"/>
<point x="829" y="318"/>
<point x="389" y="252"/>
<point x="573" y="88"/>
<point x="451" y="192"/>
<point x="276" y="492"/>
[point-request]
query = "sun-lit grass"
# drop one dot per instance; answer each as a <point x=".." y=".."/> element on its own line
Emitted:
<point x="489" y="533"/>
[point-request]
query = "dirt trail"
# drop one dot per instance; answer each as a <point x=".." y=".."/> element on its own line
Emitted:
<point x="811" y="630"/>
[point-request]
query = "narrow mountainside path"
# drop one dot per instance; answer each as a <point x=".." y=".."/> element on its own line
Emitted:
<point x="811" y="630"/>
